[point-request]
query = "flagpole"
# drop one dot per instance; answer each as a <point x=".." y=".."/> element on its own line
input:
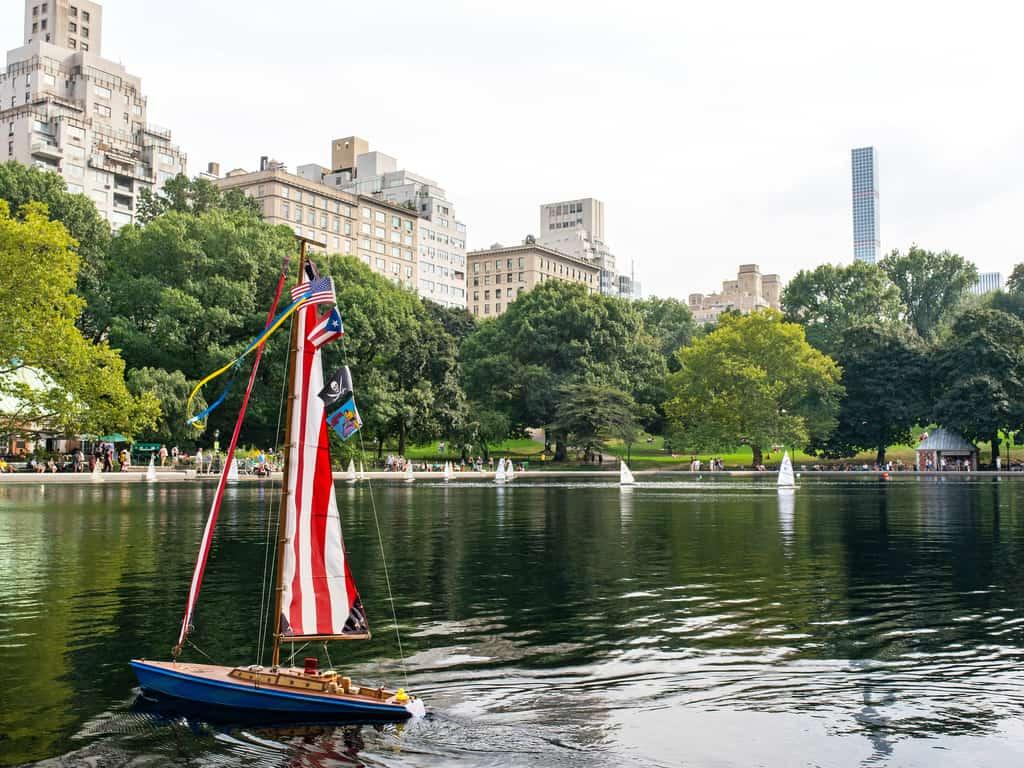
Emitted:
<point x="293" y="352"/>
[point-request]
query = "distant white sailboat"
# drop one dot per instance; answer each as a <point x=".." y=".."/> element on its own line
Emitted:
<point x="786" y="478"/>
<point x="350" y="476"/>
<point x="233" y="471"/>
<point x="510" y="471"/>
<point x="97" y="471"/>
<point x="625" y="476"/>
<point x="499" y="474"/>
<point x="448" y="472"/>
<point x="362" y="472"/>
<point x="409" y="476"/>
<point x="151" y="470"/>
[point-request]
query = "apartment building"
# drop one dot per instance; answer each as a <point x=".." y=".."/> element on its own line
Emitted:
<point x="576" y="227"/>
<point x="441" y="253"/>
<point x="68" y="110"/>
<point x="750" y="291"/>
<point x="380" y="233"/>
<point x="499" y="275"/>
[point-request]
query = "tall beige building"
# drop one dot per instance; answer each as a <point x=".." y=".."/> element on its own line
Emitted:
<point x="69" y="111"/>
<point x="382" y="234"/>
<point x="441" y="256"/>
<point x="499" y="275"/>
<point x="750" y="291"/>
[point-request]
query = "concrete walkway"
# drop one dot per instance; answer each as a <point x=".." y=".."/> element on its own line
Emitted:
<point x="176" y="476"/>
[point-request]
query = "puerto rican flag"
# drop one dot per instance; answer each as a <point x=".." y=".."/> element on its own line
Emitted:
<point x="318" y="291"/>
<point x="328" y="329"/>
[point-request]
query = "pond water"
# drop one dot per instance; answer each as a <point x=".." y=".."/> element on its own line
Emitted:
<point x="705" y="623"/>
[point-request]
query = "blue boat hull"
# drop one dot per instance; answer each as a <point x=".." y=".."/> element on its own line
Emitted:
<point x="245" y="700"/>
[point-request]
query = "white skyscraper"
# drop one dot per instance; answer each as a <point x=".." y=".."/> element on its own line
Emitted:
<point x="576" y="227"/>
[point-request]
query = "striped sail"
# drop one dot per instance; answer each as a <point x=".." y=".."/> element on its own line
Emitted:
<point x="319" y="596"/>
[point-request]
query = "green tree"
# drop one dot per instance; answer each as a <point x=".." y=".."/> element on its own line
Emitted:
<point x="22" y="184"/>
<point x="58" y="380"/>
<point x="171" y="390"/>
<point x="558" y="334"/>
<point x="931" y="285"/>
<point x="1015" y="282"/>
<point x="196" y="196"/>
<point x="979" y="376"/>
<point x="403" y="359"/>
<point x="188" y="292"/>
<point x="886" y="377"/>
<point x="589" y="414"/>
<point x="670" y="323"/>
<point x="754" y="381"/>
<point x="831" y="299"/>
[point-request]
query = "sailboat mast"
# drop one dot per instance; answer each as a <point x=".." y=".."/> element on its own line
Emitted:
<point x="293" y="351"/>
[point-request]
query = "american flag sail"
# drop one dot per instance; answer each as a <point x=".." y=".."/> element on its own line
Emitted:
<point x="319" y="596"/>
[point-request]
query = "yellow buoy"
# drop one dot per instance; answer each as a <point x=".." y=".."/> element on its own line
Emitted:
<point x="401" y="697"/>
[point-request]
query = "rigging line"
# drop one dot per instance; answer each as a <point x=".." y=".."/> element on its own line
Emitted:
<point x="273" y="521"/>
<point x="187" y="640"/>
<point x="380" y="542"/>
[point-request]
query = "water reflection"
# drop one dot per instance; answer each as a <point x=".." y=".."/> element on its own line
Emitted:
<point x="574" y="624"/>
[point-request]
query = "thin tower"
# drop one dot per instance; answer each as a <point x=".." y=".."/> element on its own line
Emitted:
<point x="864" y="162"/>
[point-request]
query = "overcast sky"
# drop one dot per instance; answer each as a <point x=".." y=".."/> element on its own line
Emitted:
<point x="716" y="133"/>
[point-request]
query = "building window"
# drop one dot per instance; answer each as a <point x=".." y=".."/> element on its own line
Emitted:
<point x="379" y="217"/>
<point x="85" y="31"/>
<point x="285" y="210"/>
<point x="396" y="222"/>
<point x="85" y="46"/>
<point x="71" y="42"/>
<point x="378" y="232"/>
<point x="298" y="215"/>
<point x="102" y="92"/>
<point x="487" y="309"/>
<point x="366" y="213"/>
<point x="72" y="27"/>
<point x="35" y="26"/>
<point x="35" y="10"/>
<point x="85" y="15"/>
<point x="74" y="11"/>
<point x="101" y="109"/>
<point x="42" y="24"/>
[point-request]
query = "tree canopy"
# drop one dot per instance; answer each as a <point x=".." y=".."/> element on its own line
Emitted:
<point x="831" y="299"/>
<point x="979" y="375"/>
<point x="754" y="381"/>
<point x="196" y="196"/>
<point x="886" y="378"/>
<point x="1015" y="282"/>
<point x="21" y="184"/>
<point x="55" y="380"/>
<point x="932" y="286"/>
<point x="556" y="335"/>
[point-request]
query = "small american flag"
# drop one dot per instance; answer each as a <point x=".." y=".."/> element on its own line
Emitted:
<point x="319" y="291"/>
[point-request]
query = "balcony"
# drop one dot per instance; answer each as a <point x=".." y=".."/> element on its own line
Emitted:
<point x="44" y="148"/>
<point x="156" y="130"/>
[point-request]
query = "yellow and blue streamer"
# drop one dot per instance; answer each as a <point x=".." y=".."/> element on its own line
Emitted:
<point x="198" y="419"/>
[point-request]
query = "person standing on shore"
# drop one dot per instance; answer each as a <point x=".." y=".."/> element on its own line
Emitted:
<point x="199" y="461"/>
<point x="108" y="458"/>
<point x="162" y="453"/>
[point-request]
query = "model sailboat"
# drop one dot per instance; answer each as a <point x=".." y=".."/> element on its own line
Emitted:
<point x="786" y="478"/>
<point x="625" y="476"/>
<point x="499" y="474"/>
<point x="316" y="596"/>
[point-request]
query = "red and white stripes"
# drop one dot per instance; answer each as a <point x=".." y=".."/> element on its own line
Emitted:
<point x="319" y="596"/>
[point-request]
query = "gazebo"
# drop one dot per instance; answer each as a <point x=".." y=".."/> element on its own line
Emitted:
<point x="946" y="450"/>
